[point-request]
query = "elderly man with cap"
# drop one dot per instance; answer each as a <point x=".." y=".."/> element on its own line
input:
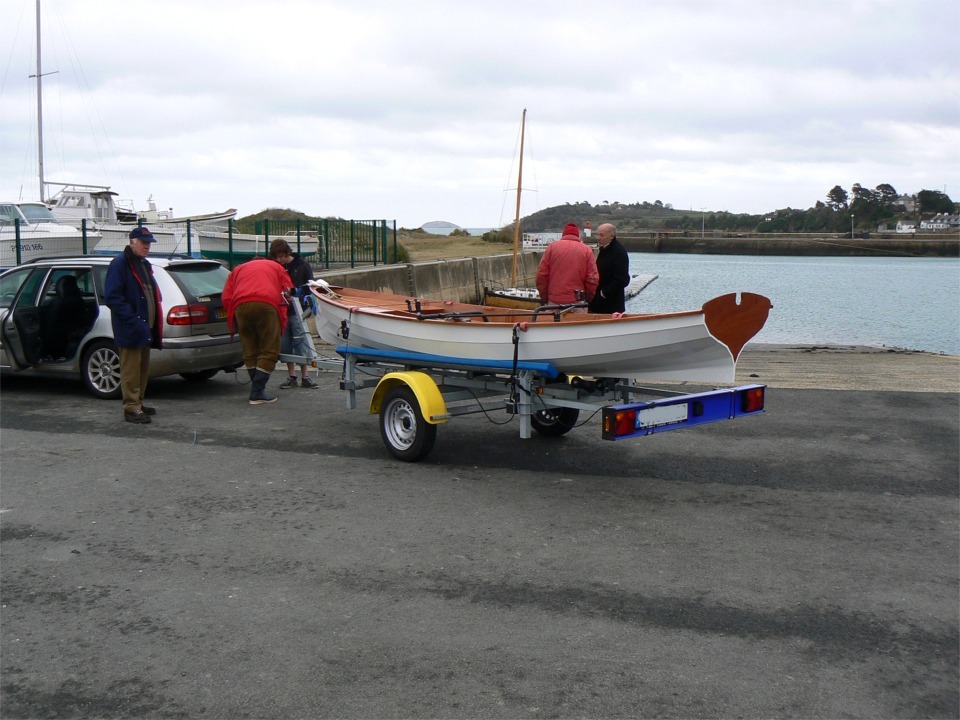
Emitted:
<point x="568" y="271"/>
<point x="136" y="313"/>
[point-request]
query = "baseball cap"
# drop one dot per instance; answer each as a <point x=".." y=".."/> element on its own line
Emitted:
<point x="142" y="234"/>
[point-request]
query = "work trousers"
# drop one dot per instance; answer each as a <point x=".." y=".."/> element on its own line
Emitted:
<point x="134" y="370"/>
<point x="258" y="325"/>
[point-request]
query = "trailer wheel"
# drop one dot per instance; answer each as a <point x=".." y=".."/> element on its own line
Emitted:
<point x="554" y="422"/>
<point x="406" y="434"/>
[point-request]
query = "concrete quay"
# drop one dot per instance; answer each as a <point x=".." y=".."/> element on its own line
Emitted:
<point x="231" y="560"/>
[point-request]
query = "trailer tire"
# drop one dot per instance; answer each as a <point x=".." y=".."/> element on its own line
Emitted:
<point x="555" y="422"/>
<point x="406" y="434"/>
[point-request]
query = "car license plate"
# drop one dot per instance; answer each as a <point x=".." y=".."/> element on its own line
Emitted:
<point x="221" y="314"/>
<point x="661" y="415"/>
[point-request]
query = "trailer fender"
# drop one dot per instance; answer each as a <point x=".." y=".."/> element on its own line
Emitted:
<point x="432" y="405"/>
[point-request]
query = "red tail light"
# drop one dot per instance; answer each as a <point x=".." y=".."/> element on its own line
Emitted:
<point x="622" y="422"/>
<point x="752" y="400"/>
<point x="187" y="315"/>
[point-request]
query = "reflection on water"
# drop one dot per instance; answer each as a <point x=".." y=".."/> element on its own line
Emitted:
<point x="909" y="303"/>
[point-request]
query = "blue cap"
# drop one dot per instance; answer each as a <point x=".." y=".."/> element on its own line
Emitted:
<point x="142" y="234"/>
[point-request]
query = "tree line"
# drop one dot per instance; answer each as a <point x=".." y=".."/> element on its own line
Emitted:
<point x="869" y="208"/>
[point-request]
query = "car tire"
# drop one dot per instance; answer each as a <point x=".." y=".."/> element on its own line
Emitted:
<point x="555" y="422"/>
<point x="100" y="370"/>
<point x="199" y="376"/>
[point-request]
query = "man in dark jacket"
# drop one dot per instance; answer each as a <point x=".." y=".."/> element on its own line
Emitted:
<point x="136" y="313"/>
<point x="300" y="273"/>
<point x="613" y="264"/>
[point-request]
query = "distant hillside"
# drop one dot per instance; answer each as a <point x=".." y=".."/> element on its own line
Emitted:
<point x="634" y="217"/>
<point x="865" y="208"/>
<point x="248" y="223"/>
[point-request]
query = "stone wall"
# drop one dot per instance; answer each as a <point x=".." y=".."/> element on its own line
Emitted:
<point x="460" y="279"/>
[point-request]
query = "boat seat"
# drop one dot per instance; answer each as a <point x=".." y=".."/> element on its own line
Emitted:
<point x="66" y="322"/>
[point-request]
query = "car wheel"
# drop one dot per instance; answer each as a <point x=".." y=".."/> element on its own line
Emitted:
<point x="199" y="376"/>
<point x="101" y="370"/>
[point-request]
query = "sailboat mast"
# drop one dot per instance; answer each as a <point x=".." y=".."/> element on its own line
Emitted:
<point x="516" y="220"/>
<point x="39" y="107"/>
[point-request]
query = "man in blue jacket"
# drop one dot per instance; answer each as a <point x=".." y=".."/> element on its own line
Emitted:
<point x="137" y="316"/>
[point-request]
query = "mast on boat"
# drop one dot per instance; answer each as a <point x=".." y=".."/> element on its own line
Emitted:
<point x="516" y="221"/>
<point x="39" y="106"/>
<point x="39" y="77"/>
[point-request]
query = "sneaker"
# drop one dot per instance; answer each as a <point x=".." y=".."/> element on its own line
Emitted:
<point x="140" y="418"/>
<point x="290" y="382"/>
<point x="308" y="383"/>
<point x="148" y="410"/>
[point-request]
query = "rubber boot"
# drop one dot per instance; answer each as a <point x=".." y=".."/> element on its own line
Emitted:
<point x="258" y="395"/>
<point x="251" y="372"/>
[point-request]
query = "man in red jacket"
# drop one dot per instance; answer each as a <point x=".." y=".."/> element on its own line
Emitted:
<point x="255" y="298"/>
<point x="568" y="271"/>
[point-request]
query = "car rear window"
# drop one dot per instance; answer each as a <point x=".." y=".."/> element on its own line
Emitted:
<point x="200" y="279"/>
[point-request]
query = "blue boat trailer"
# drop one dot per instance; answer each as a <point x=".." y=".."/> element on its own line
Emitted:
<point x="416" y="392"/>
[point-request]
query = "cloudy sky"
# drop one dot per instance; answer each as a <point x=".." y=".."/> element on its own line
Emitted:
<point x="409" y="110"/>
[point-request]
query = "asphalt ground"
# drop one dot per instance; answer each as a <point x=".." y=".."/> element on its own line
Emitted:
<point x="274" y="561"/>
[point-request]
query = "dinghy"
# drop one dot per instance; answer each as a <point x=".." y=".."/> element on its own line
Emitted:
<point x="696" y="345"/>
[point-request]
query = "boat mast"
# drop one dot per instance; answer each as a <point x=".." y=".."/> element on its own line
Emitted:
<point x="516" y="220"/>
<point x="39" y="106"/>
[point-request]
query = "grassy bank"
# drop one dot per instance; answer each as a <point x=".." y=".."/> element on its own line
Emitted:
<point x="423" y="247"/>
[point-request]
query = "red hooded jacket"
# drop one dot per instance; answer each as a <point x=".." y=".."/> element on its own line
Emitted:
<point x="567" y="265"/>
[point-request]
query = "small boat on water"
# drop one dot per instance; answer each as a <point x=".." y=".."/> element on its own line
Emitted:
<point x="697" y="345"/>
<point x="529" y="298"/>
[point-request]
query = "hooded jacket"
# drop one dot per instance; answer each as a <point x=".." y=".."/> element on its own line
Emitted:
<point x="567" y="266"/>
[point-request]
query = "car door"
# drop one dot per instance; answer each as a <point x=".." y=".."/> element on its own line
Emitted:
<point x="20" y="321"/>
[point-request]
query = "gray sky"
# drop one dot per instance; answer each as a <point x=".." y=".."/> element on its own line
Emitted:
<point x="409" y="110"/>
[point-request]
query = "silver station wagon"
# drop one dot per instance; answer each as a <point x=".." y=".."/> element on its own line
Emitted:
<point x="53" y="321"/>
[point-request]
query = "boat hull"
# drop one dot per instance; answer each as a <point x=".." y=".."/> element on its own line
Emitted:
<point x="672" y="346"/>
<point x="38" y="244"/>
<point x="219" y="246"/>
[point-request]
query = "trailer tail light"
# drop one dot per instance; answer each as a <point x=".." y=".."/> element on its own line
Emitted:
<point x="619" y="423"/>
<point x="187" y="315"/>
<point x="673" y="413"/>
<point x="751" y="400"/>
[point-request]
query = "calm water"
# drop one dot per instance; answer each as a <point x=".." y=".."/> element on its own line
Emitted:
<point x="909" y="303"/>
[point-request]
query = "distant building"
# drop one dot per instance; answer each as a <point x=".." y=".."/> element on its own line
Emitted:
<point x="941" y="221"/>
<point x="909" y="202"/>
<point x="906" y="226"/>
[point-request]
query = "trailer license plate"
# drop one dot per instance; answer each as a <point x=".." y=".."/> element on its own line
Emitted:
<point x="661" y="415"/>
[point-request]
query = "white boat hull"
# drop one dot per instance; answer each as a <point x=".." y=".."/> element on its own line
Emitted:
<point x="672" y="346"/>
<point x="39" y="243"/>
<point x="218" y="244"/>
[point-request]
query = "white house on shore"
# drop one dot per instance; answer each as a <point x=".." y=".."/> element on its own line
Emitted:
<point x="940" y="222"/>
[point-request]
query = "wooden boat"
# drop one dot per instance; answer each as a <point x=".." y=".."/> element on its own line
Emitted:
<point x="696" y="345"/>
<point x="529" y="298"/>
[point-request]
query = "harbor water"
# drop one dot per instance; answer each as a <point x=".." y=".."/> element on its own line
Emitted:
<point x="909" y="303"/>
